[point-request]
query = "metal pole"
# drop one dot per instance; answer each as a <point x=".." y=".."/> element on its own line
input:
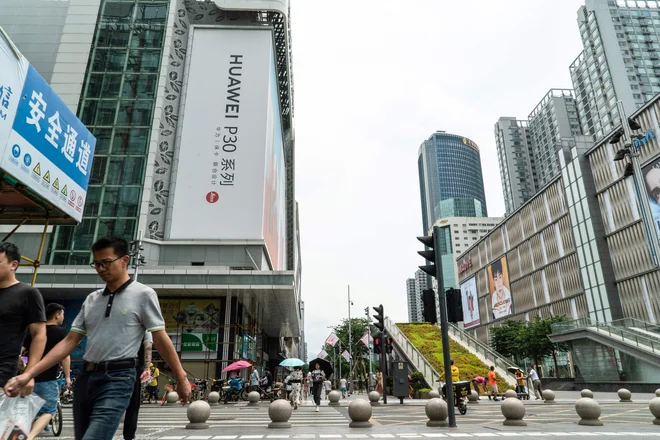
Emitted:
<point x="37" y="262"/>
<point x="638" y="179"/>
<point x="369" y="346"/>
<point x="137" y="257"/>
<point x="350" y="336"/>
<point x="383" y="365"/>
<point x="444" y="325"/>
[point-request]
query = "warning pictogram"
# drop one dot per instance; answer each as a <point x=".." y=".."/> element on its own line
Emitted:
<point x="64" y="190"/>
<point x="37" y="169"/>
<point x="56" y="184"/>
<point x="47" y="176"/>
<point x="212" y="197"/>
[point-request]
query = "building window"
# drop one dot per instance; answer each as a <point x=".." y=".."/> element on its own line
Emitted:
<point x="117" y="105"/>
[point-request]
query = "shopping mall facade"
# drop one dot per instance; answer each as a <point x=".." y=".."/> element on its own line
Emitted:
<point x="581" y="248"/>
<point x="191" y="104"/>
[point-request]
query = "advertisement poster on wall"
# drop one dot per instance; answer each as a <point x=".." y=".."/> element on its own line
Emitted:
<point x="651" y="174"/>
<point x="193" y="325"/>
<point x="499" y="287"/>
<point x="470" y="299"/>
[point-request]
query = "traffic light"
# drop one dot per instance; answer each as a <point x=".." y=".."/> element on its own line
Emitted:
<point x="378" y="343"/>
<point x="429" y="255"/>
<point x="428" y="300"/>
<point x="454" y="306"/>
<point x="388" y="345"/>
<point x="380" y="318"/>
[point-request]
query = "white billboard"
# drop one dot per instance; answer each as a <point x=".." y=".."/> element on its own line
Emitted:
<point x="230" y="173"/>
<point x="470" y="299"/>
<point x="43" y="144"/>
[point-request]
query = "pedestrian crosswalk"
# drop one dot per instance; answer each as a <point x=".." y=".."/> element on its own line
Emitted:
<point x="235" y="416"/>
<point x="408" y="435"/>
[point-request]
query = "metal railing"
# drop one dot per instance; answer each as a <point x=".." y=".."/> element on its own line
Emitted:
<point x="626" y="336"/>
<point x="411" y="353"/>
<point x="637" y="324"/>
<point x="498" y="360"/>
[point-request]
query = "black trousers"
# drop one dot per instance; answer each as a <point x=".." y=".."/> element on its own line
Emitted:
<point x="316" y="391"/>
<point x="131" y="418"/>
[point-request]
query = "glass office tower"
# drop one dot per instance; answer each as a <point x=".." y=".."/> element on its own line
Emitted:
<point x="450" y="179"/>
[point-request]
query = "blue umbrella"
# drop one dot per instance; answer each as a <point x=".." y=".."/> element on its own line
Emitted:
<point x="292" y="362"/>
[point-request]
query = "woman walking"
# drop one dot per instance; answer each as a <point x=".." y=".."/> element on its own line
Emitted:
<point x="295" y="380"/>
<point x="379" y="381"/>
<point x="318" y="377"/>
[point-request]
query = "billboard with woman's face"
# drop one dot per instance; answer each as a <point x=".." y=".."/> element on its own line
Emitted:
<point x="652" y="182"/>
<point x="470" y="300"/>
<point x="500" y="293"/>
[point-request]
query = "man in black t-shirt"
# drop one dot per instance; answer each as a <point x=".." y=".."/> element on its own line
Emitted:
<point x="22" y="309"/>
<point x="46" y="385"/>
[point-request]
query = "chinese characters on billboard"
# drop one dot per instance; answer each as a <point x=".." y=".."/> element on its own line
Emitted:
<point x="498" y="285"/>
<point x="470" y="299"/>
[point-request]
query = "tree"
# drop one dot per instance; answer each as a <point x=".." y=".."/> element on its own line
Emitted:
<point x="506" y="339"/>
<point x="534" y="341"/>
<point x="358" y="349"/>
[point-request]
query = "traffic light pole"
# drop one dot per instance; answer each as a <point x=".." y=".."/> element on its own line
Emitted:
<point x="444" y="326"/>
<point x="369" y="345"/>
<point x="383" y="367"/>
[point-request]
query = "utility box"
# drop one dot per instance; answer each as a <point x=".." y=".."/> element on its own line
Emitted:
<point x="400" y="380"/>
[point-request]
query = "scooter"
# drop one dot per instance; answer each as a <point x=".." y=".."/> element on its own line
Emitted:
<point x="461" y="391"/>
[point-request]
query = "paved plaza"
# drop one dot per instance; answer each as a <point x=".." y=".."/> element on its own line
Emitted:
<point x="237" y="421"/>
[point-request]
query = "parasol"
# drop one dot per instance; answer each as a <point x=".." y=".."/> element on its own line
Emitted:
<point x="239" y="365"/>
<point x="513" y="370"/>
<point x="325" y="366"/>
<point x="292" y="362"/>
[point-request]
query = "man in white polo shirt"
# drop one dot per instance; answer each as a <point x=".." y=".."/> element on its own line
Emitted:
<point x="114" y="320"/>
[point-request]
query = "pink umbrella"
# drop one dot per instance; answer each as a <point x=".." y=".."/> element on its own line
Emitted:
<point x="239" y="365"/>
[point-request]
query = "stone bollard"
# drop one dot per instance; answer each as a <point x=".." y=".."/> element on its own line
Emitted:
<point x="434" y="394"/>
<point x="587" y="393"/>
<point x="625" y="396"/>
<point x="360" y="412"/>
<point x="654" y="407"/>
<point x="334" y="398"/>
<point x="198" y="413"/>
<point x="657" y="392"/>
<point x="549" y="396"/>
<point x="589" y="411"/>
<point x="436" y="411"/>
<point x="513" y="411"/>
<point x="510" y="394"/>
<point x="253" y="398"/>
<point x="473" y="397"/>
<point x="172" y="398"/>
<point x="374" y="398"/>
<point x="214" y="398"/>
<point x="279" y="412"/>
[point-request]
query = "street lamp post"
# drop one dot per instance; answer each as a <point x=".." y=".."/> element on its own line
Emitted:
<point x="638" y="178"/>
<point x="350" y="336"/>
<point x="366" y="311"/>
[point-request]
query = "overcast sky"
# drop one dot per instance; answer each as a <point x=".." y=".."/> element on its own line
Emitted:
<point x="373" y="80"/>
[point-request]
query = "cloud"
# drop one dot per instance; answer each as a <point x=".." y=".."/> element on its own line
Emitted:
<point x="372" y="81"/>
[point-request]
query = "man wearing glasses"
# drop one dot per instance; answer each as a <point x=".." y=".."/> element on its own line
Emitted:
<point x="114" y="320"/>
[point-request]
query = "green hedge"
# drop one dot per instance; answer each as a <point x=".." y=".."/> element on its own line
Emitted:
<point x="428" y="340"/>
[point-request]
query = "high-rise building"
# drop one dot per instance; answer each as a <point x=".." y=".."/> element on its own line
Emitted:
<point x="620" y="60"/>
<point x="554" y="118"/>
<point x="516" y="161"/>
<point x="164" y="87"/>
<point x="450" y="179"/>
<point x="414" y="288"/>
<point x="414" y="301"/>
<point x="526" y="150"/>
